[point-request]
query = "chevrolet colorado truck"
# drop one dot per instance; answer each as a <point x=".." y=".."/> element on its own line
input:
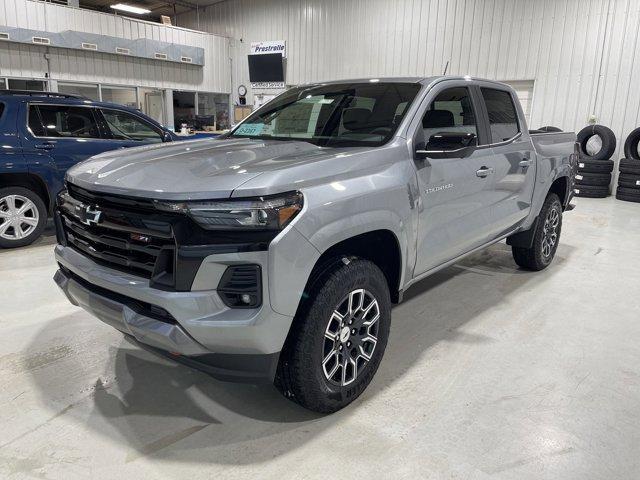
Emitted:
<point x="275" y="252"/>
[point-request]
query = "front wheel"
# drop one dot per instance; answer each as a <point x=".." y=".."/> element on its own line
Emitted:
<point x="23" y="216"/>
<point x="545" y="239"/>
<point x="338" y="340"/>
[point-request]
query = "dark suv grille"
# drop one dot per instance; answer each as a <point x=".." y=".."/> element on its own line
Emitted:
<point x="116" y="233"/>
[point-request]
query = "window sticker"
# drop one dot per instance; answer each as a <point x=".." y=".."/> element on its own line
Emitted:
<point x="250" y="129"/>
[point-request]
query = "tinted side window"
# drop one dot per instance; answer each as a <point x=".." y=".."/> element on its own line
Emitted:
<point x="503" y="118"/>
<point x="124" y="126"/>
<point x="451" y="112"/>
<point x="64" y="121"/>
<point x="35" y="124"/>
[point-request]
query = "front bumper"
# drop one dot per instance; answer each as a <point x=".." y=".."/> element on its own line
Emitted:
<point x="201" y="331"/>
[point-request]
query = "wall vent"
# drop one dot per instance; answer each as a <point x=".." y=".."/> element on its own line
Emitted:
<point x="4" y="36"/>
<point x="123" y="51"/>
<point x="160" y="56"/>
<point x="41" y="40"/>
<point x="89" y="46"/>
<point x="186" y="59"/>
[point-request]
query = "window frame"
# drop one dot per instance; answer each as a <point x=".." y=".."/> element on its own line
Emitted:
<point x="485" y="110"/>
<point x="476" y="113"/>
<point x="37" y="105"/>
<point x="426" y="101"/>
<point x="108" y="134"/>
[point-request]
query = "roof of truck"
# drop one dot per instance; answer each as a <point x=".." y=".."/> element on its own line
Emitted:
<point x="422" y="80"/>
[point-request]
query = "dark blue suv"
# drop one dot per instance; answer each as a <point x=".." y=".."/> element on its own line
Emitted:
<point x="42" y="134"/>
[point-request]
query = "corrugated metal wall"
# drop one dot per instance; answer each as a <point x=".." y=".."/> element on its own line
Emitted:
<point x="28" y="61"/>
<point x="581" y="54"/>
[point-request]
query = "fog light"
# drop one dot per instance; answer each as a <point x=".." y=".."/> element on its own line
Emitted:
<point x="241" y="286"/>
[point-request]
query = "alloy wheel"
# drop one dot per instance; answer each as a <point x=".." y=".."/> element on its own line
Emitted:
<point x="550" y="232"/>
<point x="18" y="217"/>
<point x="350" y="337"/>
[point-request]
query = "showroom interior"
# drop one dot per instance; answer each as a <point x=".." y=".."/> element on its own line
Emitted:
<point x="500" y="361"/>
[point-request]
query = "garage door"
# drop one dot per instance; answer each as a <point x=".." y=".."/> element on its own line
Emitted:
<point x="524" y="90"/>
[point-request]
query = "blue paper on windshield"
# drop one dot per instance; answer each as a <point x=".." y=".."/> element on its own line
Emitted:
<point x="250" y="129"/>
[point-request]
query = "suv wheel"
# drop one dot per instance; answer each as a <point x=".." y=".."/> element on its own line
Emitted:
<point x="338" y="339"/>
<point x="23" y="216"/>
<point x="545" y="239"/>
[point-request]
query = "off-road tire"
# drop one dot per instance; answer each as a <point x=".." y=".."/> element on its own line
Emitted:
<point x="533" y="258"/>
<point x="628" y="194"/>
<point x="629" y="181"/>
<point x="591" y="191"/>
<point x="300" y="376"/>
<point x="631" y="145"/>
<point x="42" y="216"/>
<point x="608" y="141"/>
<point x="594" y="166"/>
<point x="594" y="179"/>
<point x="629" y="165"/>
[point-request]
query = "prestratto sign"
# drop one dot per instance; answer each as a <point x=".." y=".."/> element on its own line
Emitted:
<point x="274" y="46"/>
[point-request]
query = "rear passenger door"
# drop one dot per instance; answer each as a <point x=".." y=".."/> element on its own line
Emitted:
<point x="514" y="161"/>
<point x="455" y="214"/>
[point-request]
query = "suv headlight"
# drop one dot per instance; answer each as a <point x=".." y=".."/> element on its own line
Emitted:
<point x="264" y="213"/>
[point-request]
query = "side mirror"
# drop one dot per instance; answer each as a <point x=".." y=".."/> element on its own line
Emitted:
<point x="167" y="137"/>
<point x="449" y="145"/>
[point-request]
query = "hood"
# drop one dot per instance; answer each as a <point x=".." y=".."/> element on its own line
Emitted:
<point x="190" y="170"/>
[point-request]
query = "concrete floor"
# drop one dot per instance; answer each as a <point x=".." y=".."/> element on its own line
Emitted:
<point x="490" y="372"/>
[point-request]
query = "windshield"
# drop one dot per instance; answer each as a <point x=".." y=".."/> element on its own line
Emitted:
<point x="349" y="114"/>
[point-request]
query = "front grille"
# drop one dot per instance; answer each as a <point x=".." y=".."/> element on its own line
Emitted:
<point x="121" y="236"/>
<point x="129" y="234"/>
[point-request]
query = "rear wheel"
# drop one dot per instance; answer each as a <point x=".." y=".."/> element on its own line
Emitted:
<point x="545" y="239"/>
<point x="23" y="216"/>
<point x="339" y="338"/>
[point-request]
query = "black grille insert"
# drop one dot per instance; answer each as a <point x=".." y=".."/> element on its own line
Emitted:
<point x="125" y="238"/>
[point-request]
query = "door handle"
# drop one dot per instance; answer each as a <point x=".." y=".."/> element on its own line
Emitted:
<point x="484" y="171"/>
<point x="45" y="146"/>
<point x="525" y="163"/>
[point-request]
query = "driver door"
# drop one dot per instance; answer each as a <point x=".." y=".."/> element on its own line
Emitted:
<point x="127" y="130"/>
<point x="456" y="191"/>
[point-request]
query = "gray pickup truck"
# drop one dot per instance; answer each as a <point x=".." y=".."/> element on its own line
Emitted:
<point x="276" y="252"/>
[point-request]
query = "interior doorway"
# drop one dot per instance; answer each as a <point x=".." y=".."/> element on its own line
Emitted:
<point x="152" y="104"/>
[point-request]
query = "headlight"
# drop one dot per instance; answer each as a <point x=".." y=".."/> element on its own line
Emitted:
<point x="265" y="213"/>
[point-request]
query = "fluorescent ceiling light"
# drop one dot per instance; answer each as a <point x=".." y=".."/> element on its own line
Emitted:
<point x="130" y="8"/>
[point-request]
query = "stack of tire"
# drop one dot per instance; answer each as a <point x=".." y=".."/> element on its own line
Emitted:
<point x="594" y="167"/>
<point x="629" y="178"/>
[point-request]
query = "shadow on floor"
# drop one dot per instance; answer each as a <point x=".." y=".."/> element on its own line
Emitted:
<point x="171" y="412"/>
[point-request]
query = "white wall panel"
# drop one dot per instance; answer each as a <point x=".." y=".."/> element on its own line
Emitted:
<point x="28" y="61"/>
<point x="583" y="55"/>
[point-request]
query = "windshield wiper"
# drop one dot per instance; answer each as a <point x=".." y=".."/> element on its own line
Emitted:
<point x="282" y="139"/>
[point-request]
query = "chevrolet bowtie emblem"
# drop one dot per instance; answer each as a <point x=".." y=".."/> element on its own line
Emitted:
<point x="88" y="215"/>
